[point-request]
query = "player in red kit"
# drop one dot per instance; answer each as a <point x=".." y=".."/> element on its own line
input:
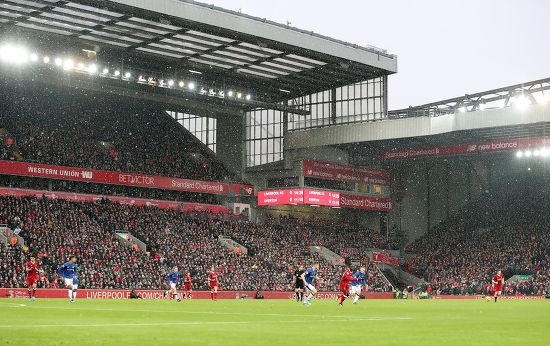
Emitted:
<point x="497" y="283"/>
<point x="346" y="278"/>
<point x="187" y="286"/>
<point x="213" y="283"/>
<point x="32" y="277"/>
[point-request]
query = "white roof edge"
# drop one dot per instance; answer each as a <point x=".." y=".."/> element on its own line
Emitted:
<point x="258" y="27"/>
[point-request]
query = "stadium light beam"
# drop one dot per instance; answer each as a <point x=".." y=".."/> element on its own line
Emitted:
<point x="519" y="154"/>
<point x="181" y="84"/>
<point x="230" y="93"/>
<point x="46" y="59"/>
<point x="170" y="83"/>
<point x="117" y="73"/>
<point x="13" y="54"/>
<point x="248" y="97"/>
<point x="191" y="86"/>
<point x="528" y="153"/>
<point x="522" y="102"/>
<point x="92" y="68"/>
<point x="68" y="64"/>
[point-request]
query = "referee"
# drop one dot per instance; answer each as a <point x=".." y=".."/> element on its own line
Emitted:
<point x="299" y="284"/>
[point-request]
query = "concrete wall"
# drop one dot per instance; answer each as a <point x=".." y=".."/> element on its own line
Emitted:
<point x="411" y="213"/>
<point x="230" y="142"/>
<point x="331" y="154"/>
<point x="436" y="189"/>
<point x="417" y="127"/>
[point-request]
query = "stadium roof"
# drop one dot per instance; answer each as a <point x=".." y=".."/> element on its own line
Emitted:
<point x="277" y="61"/>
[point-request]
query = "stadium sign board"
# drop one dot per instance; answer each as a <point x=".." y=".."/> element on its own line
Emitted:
<point x="158" y="294"/>
<point x="139" y="202"/>
<point x="120" y="178"/>
<point x="335" y="171"/>
<point x="322" y="198"/>
<point x="492" y="146"/>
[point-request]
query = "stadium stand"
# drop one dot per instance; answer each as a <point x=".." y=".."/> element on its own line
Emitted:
<point x="456" y="258"/>
<point x="135" y="140"/>
<point x="56" y="228"/>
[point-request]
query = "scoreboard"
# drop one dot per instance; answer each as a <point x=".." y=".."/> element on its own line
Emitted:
<point x="299" y="196"/>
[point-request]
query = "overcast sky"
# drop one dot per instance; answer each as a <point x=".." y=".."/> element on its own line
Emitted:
<point x="444" y="48"/>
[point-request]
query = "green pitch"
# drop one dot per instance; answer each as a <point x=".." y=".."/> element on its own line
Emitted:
<point x="273" y="322"/>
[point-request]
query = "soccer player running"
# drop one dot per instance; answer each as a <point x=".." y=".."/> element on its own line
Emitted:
<point x="173" y="278"/>
<point x="308" y="278"/>
<point x="299" y="284"/>
<point x="497" y="283"/>
<point x="357" y="286"/>
<point x="31" y="267"/>
<point x="345" y="280"/>
<point x="213" y="284"/>
<point x="187" y="286"/>
<point x="67" y="273"/>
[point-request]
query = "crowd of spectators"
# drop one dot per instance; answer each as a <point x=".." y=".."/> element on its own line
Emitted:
<point x="454" y="260"/>
<point x="128" y="140"/>
<point x="54" y="229"/>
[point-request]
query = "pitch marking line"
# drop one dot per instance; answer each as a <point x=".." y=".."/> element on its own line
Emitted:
<point x="14" y="305"/>
<point x="154" y="324"/>
<point x="321" y="317"/>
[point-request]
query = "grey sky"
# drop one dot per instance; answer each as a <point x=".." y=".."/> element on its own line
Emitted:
<point x="445" y="48"/>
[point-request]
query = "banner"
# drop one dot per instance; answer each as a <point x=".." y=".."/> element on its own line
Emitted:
<point x="322" y="197"/>
<point x="442" y="296"/>
<point x="120" y="178"/>
<point x="385" y="257"/>
<point x="366" y="202"/>
<point x="493" y="146"/>
<point x="140" y="202"/>
<point x="334" y="171"/>
<point x="158" y="294"/>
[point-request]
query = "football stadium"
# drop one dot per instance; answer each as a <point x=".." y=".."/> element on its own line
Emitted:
<point x="176" y="173"/>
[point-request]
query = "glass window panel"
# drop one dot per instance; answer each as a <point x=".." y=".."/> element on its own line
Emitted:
<point x="370" y="89"/>
<point x="357" y="91"/>
<point x="358" y="109"/>
<point x="351" y="108"/>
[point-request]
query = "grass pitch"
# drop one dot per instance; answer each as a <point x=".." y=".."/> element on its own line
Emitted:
<point x="274" y="322"/>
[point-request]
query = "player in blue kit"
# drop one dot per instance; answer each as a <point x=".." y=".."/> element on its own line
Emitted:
<point x="309" y="277"/>
<point x="174" y="279"/>
<point x="357" y="286"/>
<point x="67" y="273"/>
